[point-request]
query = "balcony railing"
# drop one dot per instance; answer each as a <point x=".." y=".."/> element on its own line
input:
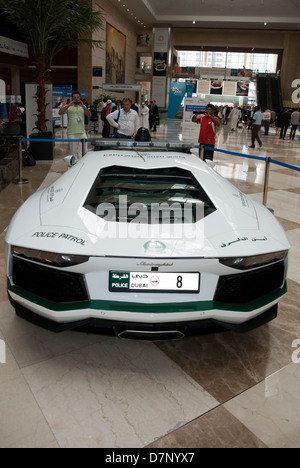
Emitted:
<point x="144" y="69"/>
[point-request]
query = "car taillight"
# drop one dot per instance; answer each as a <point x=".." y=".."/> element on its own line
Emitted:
<point x="49" y="258"/>
<point x="255" y="261"/>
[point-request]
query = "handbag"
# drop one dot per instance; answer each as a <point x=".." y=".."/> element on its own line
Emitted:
<point x="116" y="130"/>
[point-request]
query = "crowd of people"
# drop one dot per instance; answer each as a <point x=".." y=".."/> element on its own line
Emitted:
<point x="123" y="118"/>
<point x="253" y="118"/>
<point x="244" y="117"/>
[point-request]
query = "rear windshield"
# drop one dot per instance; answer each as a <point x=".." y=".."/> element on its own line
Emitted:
<point x="122" y="194"/>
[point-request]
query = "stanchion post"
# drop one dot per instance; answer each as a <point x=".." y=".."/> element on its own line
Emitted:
<point x="83" y="142"/>
<point x="20" y="180"/>
<point x="266" y="184"/>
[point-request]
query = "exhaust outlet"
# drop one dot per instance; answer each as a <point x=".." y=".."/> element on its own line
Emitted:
<point x="157" y="335"/>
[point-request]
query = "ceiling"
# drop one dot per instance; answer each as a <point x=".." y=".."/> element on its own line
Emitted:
<point x="216" y="14"/>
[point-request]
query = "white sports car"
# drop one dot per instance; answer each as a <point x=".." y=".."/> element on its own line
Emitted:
<point x="145" y="240"/>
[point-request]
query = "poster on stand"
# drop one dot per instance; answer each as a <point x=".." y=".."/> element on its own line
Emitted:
<point x="242" y="88"/>
<point x="161" y="39"/>
<point x="203" y="87"/>
<point x="176" y="95"/>
<point x="216" y="87"/>
<point x="160" y="64"/>
<point x="229" y="88"/>
<point x="241" y="72"/>
<point x="159" y="87"/>
<point x="193" y="106"/>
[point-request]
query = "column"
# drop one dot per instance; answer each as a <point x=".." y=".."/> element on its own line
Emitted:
<point x="15" y="80"/>
<point x="161" y="59"/>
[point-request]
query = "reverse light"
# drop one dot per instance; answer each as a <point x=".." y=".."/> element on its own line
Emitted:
<point x="49" y="258"/>
<point x="255" y="261"/>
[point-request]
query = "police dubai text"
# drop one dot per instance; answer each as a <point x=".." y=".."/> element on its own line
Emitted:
<point x="178" y="220"/>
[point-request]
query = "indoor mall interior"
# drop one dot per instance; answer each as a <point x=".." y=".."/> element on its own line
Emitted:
<point x="215" y="389"/>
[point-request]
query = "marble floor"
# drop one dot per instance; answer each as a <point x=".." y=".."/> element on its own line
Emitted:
<point x="213" y="390"/>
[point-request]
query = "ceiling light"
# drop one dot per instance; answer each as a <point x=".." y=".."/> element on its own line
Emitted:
<point x="265" y="24"/>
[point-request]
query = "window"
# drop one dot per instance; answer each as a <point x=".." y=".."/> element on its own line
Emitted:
<point x="254" y="61"/>
<point x="156" y="196"/>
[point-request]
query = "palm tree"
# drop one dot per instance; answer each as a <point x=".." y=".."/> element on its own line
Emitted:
<point x="49" y="26"/>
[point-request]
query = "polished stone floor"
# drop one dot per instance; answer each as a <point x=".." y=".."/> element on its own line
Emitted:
<point x="213" y="390"/>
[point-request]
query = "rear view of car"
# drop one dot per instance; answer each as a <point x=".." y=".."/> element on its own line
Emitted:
<point x="145" y="242"/>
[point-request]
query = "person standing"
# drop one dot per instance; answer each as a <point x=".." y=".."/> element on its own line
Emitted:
<point x="278" y="123"/>
<point x="144" y="116"/>
<point x="155" y="115"/>
<point x="256" y="126"/>
<point x="76" y="112"/>
<point x="246" y="116"/>
<point x="285" y="123"/>
<point x="148" y="105"/>
<point x="227" y="114"/>
<point x="267" y="120"/>
<point x="273" y="117"/>
<point x="250" y="118"/>
<point x="234" y="117"/>
<point x="126" y="121"/>
<point x="295" y="122"/>
<point x="100" y="106"/>
<point x="151" y="115"/>
<point x="105" y="112"/>
<point x="207" y="136"/>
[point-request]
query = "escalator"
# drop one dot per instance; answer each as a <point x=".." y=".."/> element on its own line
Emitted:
<point x="276" y="96"/>
<point x="269" y="92"/>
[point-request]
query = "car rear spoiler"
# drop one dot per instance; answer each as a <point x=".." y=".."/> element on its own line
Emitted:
<point x="101" y="144"/>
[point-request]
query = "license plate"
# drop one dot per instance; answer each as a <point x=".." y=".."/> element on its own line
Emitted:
<point x="163" y="282"/>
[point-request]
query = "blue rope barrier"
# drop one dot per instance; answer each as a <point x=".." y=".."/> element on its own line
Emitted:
<point x="235" y="154"/>
<point x="295" y="168"/>
<point x="44" y="140"/>
<point x="289" y="166"/>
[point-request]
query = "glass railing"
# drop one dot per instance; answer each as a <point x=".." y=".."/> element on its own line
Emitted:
<point x="144" y="69"/>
